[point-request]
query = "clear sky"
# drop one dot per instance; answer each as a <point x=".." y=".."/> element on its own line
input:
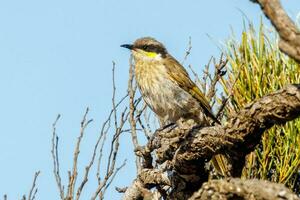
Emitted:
<point x="56" y="57"/>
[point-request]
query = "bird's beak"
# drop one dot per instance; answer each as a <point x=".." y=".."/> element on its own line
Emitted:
<point x="128" y="46"/>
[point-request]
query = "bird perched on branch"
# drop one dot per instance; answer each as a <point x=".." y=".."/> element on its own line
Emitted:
<point x="166" y="86"/>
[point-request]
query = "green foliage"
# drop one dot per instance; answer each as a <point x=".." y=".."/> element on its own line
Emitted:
<point x="256" y="68"/>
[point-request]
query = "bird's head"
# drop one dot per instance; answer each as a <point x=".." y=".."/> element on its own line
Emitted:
<point x="147" y="48"/>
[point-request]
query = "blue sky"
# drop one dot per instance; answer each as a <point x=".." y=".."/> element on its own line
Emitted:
<point x="56" y="57"/>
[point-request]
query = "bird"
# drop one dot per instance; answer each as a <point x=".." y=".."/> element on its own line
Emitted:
<point x="166" y="86"/>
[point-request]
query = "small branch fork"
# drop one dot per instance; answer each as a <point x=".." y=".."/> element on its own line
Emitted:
<point x="74" y="189"/>
<point x="54" y="153"/>
<point x="73" y="175"/>
<point x="33" y="190"/>
<point x="219" y="72"/>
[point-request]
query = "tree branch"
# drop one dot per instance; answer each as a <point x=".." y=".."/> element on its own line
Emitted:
<point x="289" y="34"/>
<point x="243" y="190"/>
<point x="33" y="190"/>
<point x="54" y="153"/>
<point x="241" y="133"/>
<point x="187" y="148"/>
<point x="132" y="87"/>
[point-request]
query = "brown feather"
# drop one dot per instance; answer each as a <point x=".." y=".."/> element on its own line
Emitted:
<point x="179" y="75"/>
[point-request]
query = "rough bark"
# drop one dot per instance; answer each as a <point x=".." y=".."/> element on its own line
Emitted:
<point x="184" y="150"/>
<point x="289" y="34"/>
<point x="243" y="190"/>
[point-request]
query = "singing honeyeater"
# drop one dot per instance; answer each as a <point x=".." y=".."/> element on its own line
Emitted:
<point x="166" y="86"/>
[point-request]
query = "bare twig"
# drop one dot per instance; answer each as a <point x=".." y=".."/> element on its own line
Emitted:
<point x="132" y="108"/>
<point x="188" y="51"/>
<point x="101" y="138"/>
<point x="114" y="175"/>
<point x="147" y="115"/>
<point x="111" y="172"/>
<point x="219" y="72"/>
<point x="33" y="190"/>
<point x="113" y="99"/>
<point x="225" y="100"/>
<point x="195" y="74"/>
<point x="54" y="153"/>
<point x="146" y="129"/>
<point x="103" y="133"/>
<point x="206" y="76"/>
<point x="111" y="158"/>
<point x="73" y="175"/>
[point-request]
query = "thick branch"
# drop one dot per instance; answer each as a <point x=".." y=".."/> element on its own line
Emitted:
<point x="243" y="190"/>
<point x="188" y="147"/>
<point x="242" y="132"/>
<point x="289" y="34"/>
<point x="146" y="179"/>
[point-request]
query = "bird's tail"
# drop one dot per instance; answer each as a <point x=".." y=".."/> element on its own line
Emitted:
<point x="219" y="162"/>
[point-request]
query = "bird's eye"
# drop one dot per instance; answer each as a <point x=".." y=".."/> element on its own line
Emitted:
<point x="145" y="47"/>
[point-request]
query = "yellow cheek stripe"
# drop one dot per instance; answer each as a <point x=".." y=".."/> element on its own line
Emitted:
<point x="151" y="54"/>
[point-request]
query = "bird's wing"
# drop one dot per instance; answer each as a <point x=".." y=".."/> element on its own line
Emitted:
<point x="179" y="75"/>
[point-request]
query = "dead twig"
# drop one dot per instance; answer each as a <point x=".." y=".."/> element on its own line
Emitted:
<point x="73" y="175"/>
<point x="219" y="72"/>
<point x="54" y="153"/>
<point x="188" y="51"/>
<point x="132" y="87"/>
<point x="33" y="190"/>
<point x="111" y="172"/>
